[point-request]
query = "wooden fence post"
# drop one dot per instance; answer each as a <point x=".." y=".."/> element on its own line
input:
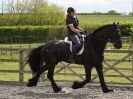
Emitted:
<point x="21" y="66"/>
<point x="130" y="42"/>
<point x="1" y="49"/>
<point x="132" y="62"/>
<point x="131" y="47"/>
<point x="132" y="53"/>
<point x="10" y="50"/>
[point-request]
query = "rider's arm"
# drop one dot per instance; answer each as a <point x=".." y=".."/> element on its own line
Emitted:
<point x="79" y="28"/>
<point x="73" y="29"/>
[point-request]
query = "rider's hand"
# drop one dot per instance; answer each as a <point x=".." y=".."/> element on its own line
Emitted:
<point x="85" y="31"/>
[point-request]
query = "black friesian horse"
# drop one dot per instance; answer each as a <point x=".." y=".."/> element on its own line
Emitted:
<point x="46" y="56"/>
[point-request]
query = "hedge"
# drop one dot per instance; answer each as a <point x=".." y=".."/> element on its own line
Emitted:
<point x="30" y="34"/>
<point x="37" y="34"/>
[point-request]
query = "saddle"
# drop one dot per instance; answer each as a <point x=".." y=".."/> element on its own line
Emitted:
<point x="66" y="40"/>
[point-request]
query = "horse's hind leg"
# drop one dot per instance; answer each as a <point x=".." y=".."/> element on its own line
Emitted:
<point x="77" y="84"/>
<point x="33" y="81"/>
<point x="50" y="77"/>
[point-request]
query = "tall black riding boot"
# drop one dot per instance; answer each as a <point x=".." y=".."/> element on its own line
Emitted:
<point x="71" y="57"/>
<point x="75" y="46"/>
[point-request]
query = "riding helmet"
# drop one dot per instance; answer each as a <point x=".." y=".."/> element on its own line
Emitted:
<point x="70" y="9"/>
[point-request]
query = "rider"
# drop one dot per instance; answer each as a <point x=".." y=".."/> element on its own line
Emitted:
<point x="74" y="30"/>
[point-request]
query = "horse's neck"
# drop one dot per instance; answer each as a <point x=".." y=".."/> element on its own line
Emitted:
<point x="101" y="41"/>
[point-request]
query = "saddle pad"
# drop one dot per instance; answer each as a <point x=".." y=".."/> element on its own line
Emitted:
<point x="70" y="43"/>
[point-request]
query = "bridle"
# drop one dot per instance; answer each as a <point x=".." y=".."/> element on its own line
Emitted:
<point x="115" y="41"/>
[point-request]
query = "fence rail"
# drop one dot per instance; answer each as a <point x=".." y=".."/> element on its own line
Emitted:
<point x="63" y="68"/>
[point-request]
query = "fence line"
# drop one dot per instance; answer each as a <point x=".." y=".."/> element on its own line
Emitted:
<point x="63" y="66"/>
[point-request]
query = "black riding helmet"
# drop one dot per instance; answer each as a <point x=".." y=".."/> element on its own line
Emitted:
<point x="70" y="9"/>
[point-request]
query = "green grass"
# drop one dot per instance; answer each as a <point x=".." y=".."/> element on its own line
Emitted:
<point x="104" y="19"/>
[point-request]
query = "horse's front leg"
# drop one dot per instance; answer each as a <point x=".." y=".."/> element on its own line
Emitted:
<point x="77" y="84"/>
<point x="99" y="69"/>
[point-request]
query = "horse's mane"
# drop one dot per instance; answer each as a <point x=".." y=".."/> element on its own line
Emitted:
<point x="101" y="28"/>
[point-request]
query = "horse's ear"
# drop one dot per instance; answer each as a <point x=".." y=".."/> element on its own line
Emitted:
<point x="114" y="23"/>
<point x="118" y="23"/>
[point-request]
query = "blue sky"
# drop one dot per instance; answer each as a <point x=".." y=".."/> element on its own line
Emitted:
<point x="96" y="5"/>
<point x="93" y="5"/>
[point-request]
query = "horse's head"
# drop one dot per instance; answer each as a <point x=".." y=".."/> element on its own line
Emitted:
<point x="115" y="36"/>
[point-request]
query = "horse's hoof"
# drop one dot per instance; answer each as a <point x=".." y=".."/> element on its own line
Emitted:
<point x="57" y="89"/>
<point x="77" y="85"/>
<point x="107" y="90"/>
<point x="31" y="84"/>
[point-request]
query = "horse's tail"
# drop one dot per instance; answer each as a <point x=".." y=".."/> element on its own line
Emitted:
<point x="34" y="59"/>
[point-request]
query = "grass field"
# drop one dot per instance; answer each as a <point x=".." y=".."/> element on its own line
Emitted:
<point x="104" y="19"/>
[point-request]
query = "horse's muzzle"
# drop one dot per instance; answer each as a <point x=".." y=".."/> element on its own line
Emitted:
<point x="118" y="44"/>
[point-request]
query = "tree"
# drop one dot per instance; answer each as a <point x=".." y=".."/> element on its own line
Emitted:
<point x="34" y="12"/>
<point x="130" y="13"/>
<point x="112" y="12"/>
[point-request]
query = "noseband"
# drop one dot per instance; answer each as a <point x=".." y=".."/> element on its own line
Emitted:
<point x="115" y="41"/>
